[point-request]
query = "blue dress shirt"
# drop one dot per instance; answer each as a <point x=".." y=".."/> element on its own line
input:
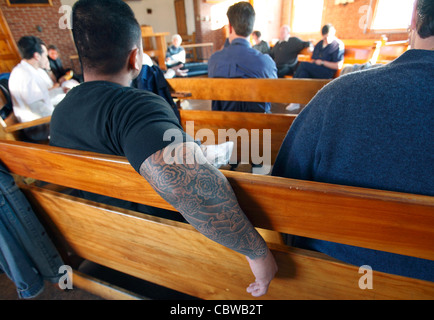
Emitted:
<point x="240" y="60"/>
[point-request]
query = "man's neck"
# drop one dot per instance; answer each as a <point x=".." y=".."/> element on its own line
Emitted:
<point x="424" y="44"/>
<point x="234" y="36"/>
<point x="33" y="63"/>
<point x="122" y="79"/>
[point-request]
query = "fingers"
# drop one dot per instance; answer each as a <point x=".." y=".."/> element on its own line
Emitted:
<point x="257" y="289"/>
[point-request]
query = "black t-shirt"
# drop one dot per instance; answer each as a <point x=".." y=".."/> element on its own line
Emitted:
<point x="107" y="118"/>
<point x="286" y="52"/>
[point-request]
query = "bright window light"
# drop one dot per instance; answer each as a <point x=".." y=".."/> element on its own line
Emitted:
<point x="392" y="15"/>
<point x="307" y="16"/>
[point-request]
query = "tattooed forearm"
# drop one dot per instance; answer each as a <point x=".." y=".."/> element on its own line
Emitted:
<point x="202" y="194"/>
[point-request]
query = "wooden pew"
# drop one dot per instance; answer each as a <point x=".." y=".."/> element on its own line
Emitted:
<point x="392" y="50"/>
<point x="357" y="51"/>
<point x="155" y="45"/>
<point x="255" y="90"/>
<point x="259" y="90"/>
<point x="176" y="256"/>
<point x="221" y="122"/>
<point x="10" y="128"/>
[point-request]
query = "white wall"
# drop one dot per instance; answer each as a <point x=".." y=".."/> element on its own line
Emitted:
<point x="162" y="18"/>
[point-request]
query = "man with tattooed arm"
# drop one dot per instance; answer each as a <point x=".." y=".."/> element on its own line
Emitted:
<point x="104" y="114"/>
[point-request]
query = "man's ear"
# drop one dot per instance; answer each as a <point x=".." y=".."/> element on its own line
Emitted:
<point x="414" y="17"/>
<point x="134" y="60"/>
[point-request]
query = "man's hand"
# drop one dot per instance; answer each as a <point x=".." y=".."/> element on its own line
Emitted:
<point x="264" y="269"/>
<point x="203" y="195"/>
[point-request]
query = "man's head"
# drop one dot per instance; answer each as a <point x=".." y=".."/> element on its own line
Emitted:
<point x="256" y="36"/>
<point x="106" y="34"/>
<point x="425" y="18"/>
<point x="33" y="49"/>
<point x="241" y="18"/>
<point x="284" y="33"/>
<point x="328" y="32"/>
<point x="52" y="52"/>
<point x="176" y="40"/>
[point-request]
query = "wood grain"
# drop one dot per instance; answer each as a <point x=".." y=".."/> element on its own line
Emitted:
<point x="221" y="122"/>
<point x="382" y="220"/>
<point x="254" y="90"/>
<point x="175" y="255"/>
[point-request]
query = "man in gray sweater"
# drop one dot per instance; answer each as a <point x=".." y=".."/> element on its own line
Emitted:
<point x="372" y="129"/>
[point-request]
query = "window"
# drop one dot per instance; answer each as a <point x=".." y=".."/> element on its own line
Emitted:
<point x="218" y="13"/>
<point x="307" y="16"/>
<point x="392" y="15"/>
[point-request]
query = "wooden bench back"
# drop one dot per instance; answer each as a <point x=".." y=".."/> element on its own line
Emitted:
<point x="176" y="256"/>
<point x="392" y="50"/>
<point x="254" y="90"/>
<point x="359" y="51"/>
<point x="235" y="125"/>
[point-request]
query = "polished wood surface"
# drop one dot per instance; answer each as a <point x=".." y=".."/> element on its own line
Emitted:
<point x="318" y="210"/>
<point x="220" y="122"/>
<point x="392" y="50"/>
<point x="23" y="125"/>
<point x="155" y="44"/>
<point x="174" y="255"/>
<point x="255" y="90"/>
<point x="9" y="54"/>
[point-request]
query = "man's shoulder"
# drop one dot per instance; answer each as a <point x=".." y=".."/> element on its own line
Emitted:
<point x="339" y="44"/>
<point x="20" y="74"/>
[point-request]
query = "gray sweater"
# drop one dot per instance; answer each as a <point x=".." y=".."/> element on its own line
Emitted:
<point x="372" y="129"/>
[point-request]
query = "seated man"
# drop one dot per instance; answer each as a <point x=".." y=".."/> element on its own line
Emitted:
<point x="34" y="95"/>
<point x="260" y="45"/>
<point x="240" y="60"/>
<point x="175" y="54"/>
<point x="56" y="67"/>
<point x="104" y="114"/>
<point x="327" y="57"/>
<point x="286" y="50"/>
<point x="371" y="129"/>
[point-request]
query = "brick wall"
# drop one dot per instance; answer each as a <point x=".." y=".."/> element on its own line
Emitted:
<point x="346" y="20"/>
<point x="23" y="20"/>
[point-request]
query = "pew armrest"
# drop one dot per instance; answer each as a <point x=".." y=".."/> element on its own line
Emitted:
<point x="25" y="125"/>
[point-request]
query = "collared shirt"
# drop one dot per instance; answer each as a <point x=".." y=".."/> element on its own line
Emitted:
<point x="31" y="94"/>
<point x="240" y="60"/>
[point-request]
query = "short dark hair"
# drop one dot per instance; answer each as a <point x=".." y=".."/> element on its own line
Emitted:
<point x="257" y="33"/>
<point x="241" y="16"/>
<point x="425" y="18"/>
<point x="104" y="33"/>
<point x="326" y="29"/>
<point x="29" y="45"/>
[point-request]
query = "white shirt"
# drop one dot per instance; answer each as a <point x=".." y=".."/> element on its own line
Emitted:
<point x="30" y="92"/>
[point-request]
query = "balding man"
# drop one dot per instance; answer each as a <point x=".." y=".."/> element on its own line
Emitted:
<point x="285" y="52"/>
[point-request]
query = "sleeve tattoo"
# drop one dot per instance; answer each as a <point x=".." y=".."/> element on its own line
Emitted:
<point x="202" y="194"/>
